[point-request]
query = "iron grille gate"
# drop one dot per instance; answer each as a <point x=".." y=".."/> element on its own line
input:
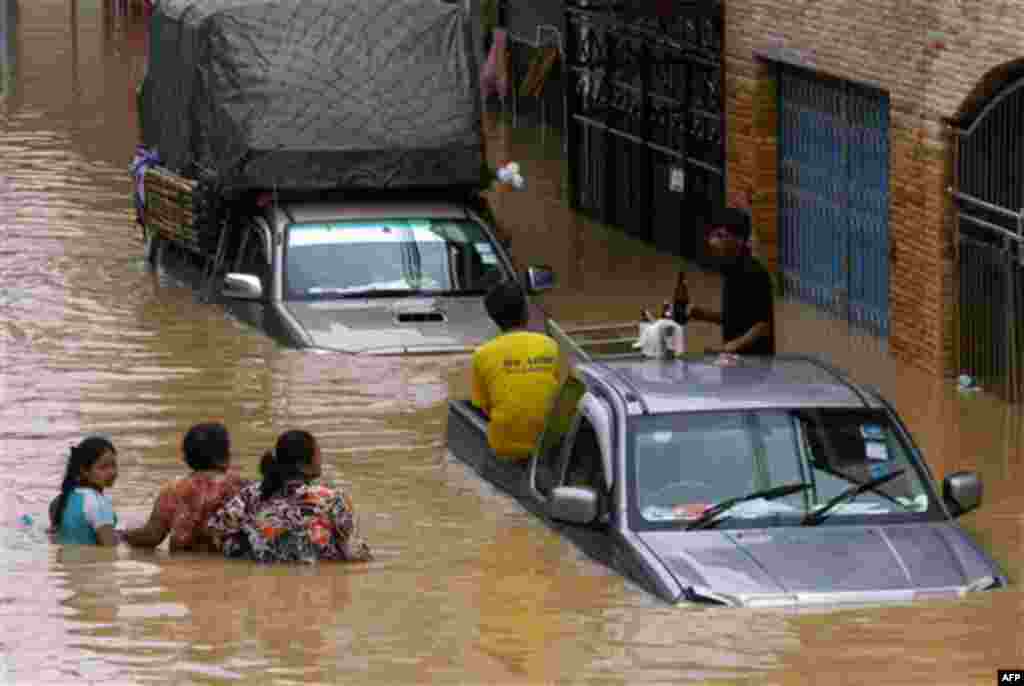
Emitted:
<point x="646" y="133"/>
<point x="834" y="196"/>
<point x="989" y="191"/>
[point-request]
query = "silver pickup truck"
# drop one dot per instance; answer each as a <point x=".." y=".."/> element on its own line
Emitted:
<point x="741" y="482"/>
<point x="370" y="276"/>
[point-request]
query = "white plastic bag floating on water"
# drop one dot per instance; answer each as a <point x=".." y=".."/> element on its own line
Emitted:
<point x="660" y="336"/>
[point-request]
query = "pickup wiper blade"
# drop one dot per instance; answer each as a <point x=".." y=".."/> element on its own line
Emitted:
<point x="366" y="292"/>
<point x="460" y="294"/>
<point x="819" y="515"/>
<point x="384" y="293"/>
<point x="709" y="517"/>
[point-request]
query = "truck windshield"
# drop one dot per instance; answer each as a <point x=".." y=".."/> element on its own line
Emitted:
<point x="366" y="258"/>
<point x="682" y="464"/>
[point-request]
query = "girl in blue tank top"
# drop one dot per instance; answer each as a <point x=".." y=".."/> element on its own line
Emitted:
<point x="82" y="513"/>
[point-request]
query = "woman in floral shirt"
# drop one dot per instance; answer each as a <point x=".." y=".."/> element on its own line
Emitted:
<point x="286" y="517"/>
<point x="183" y="505"/>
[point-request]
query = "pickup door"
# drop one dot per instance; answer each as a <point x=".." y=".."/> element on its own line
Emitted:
<point x="575" y="450"/>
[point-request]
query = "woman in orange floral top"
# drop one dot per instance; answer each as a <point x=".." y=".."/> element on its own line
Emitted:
<point x="286" y="517"/>
<point x="184" y="505"/>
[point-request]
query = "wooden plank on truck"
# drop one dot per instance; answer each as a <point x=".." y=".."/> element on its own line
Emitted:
<point x="171" y="208"/>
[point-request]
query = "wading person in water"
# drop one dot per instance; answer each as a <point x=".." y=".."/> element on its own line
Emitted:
<point x="82" y="513"/>
<point x="286" y="517"/>
<point x="515" y="375"/>
<point x="183" y="505"/>
<point x="748" y="310"/>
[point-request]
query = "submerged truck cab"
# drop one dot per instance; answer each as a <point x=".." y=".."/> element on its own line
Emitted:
<point x="373" y="276"/>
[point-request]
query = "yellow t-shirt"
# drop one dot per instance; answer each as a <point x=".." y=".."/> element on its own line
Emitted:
<point x="514" y="378"/>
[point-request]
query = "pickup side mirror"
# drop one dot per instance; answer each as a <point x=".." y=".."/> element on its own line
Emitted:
<point x="242" y="286"/>
<point x="573" y="504"/>
<point x="539" y="278"/>
<point x="961" y="491"/>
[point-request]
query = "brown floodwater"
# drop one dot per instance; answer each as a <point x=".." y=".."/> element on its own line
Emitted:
<point x="466" y="588"/>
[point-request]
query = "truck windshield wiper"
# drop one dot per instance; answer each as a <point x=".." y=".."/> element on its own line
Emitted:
<point x="365" y="292"/>
<point x="383" y="293"/>
<point x="819" y="515"/>
<point x="709" y="517"/>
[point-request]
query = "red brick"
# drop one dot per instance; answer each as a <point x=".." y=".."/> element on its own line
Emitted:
<point x="885" y="43"/>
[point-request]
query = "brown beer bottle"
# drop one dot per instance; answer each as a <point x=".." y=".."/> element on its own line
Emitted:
<point x="681" y="300"/>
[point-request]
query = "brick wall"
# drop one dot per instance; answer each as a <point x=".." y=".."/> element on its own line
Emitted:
<point x="933" y="58"/>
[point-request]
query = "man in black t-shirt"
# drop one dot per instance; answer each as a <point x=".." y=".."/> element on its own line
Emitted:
<point x="748" y="311"/>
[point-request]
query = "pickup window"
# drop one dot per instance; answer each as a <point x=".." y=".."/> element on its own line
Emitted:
<point x="550" y="464"/>
<point x="387" y="257"/>
<point x="252" y="257"/>
<point x="585" y="465"/>
<point x="569" y="452"/>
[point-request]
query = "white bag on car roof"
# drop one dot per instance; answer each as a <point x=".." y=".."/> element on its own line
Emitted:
<point x="660" y="336"/>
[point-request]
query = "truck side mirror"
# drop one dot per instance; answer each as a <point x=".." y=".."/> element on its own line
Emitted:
<point x="961" y="491"/>
<point x="573" y="504"/>
<point x="539" y="278"/>
<point x="242" y="287"/>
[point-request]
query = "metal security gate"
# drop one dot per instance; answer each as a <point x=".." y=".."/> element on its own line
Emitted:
<point x="533" y="26"/>
<point x="834" y="196"/>
<point x="646" y="124"/>
<point x="989" y="191"/>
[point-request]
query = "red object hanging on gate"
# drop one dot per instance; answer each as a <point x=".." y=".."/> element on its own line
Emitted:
<point x="664" y="8"/>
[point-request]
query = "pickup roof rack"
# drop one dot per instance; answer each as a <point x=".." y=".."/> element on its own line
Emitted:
<point x="614" y="341"/>
<point x="592" y="342"/>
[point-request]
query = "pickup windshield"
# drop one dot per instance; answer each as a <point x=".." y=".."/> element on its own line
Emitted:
<point x="389" y="257"/>
<point x="682" y="464"/>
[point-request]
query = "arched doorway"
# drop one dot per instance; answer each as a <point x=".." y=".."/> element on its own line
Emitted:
<point x="989" y="192"/>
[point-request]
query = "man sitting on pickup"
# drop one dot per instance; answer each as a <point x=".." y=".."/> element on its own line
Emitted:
<point x="514" y="376"/>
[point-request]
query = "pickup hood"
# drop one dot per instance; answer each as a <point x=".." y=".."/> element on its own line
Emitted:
<point x="385" y="326"/>
<point x="824" y="565"/>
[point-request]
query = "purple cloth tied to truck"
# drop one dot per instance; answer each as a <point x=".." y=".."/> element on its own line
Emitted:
<point x="143" y="160"/>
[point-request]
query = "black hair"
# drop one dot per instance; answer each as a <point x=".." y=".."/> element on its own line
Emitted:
<point x="506" y="304"/>
<point x="206" y="446"/>
<point x="294" y="450"/>
<point x="733" y="219"/>
<point x="83" y="456"/>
